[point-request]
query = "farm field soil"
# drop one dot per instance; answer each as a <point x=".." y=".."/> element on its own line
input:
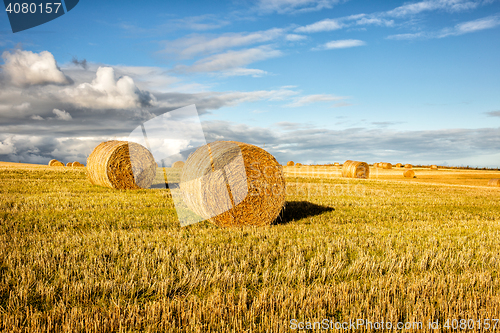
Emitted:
<point x="77" y="257"/>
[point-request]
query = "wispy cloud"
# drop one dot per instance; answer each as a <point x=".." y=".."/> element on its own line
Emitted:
<point x="340" y="44"/>
<point x="431" y="5"/>
<point x="320" y="26"/>
<point x="194" y="45"/>
<point x="459" y="29"/>
<point x="295" y="37"/>
<point x="294" y="6"/>
<point x="61" y="114"/>
<point x="230" y="60"/>
<point x="305" y="100"/>
<point x="493" y="113"/>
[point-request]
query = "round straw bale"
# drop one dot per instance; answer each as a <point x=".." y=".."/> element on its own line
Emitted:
<point x="408" y="166"/>
<point x="55" y="163"/>
<point x="178" y="164"/>
<point x="355" y="169"/>
<point x="298" y="164"/>
<point x="399" y="165"/>
<point x="409" y="173"/>
<point x="109" y="165"/>
<point x="290" y="163"/>
<point x="494" y="182"/>
<point x="233" y="184"/>
<point x="386" y="165"/>
<point x="336" y="164"/>
<point x="69" y="164"/>
<point x="77" y="164"/>
<point x="434" y="167"/>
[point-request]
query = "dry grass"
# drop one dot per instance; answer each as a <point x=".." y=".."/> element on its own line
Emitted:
<point x="77" y="257"/>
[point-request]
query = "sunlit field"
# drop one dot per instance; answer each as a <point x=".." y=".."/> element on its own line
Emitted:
<point x="77" y="257"/>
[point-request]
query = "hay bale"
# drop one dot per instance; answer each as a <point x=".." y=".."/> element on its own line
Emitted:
<point x="290" y="163"/>
<point x="298" y="164"/>
<point x="55" y="163"/>
<point x="109" y="165"/>
<point x="233" y="184"/>
<point x="494" y="182"/>
<point x="408" y="166"/>
<point x="336" y="164"/>
<point x="386" y="166"/>
<point x="178" y="164"/>
<point x="409" y="173"/>
<point x="355" y="169"/>
<point x="399" y="165"/>
<point x="434" y="167"/>
<point x="77" y="164"/>
<point x="69" y="164"/>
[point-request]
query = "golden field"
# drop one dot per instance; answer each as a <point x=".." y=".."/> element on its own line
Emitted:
<point x="76" y="257"/>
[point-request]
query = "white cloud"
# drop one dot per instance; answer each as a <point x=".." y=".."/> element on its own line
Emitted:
<point x="231" y="59"/>
<point x="194" y="45"/>
<point x="108" y="93"/>
<point x="341" y="44"/>
<point x="293" y="6"/>
<point x="25" y="68"/>
<point x="407" y="36"/>
<point x="430" y="5"/>
<point x="61" y="114"/>
<point x="320" y="26"/>
<point x="36" y="117"/>
<point x="305" y="100"/>
<point x="7" y="146"/>
<point x="244" y="72"/>
<point x="295" y="37"/>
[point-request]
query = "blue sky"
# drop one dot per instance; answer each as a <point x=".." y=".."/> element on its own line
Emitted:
<point x="316" y="81"/>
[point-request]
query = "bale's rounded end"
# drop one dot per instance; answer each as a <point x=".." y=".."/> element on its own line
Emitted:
<point x="355" y="169"/>
<point x="290" y="163"/>
<point x="178" y="164"/>
<point x="409" y="173"/>
<point x="408" y="166"/>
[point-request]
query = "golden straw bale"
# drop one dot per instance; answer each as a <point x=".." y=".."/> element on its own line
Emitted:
<point x="110" y="165"/>
<point x="408" y="166"/>
<point x="77" y="164"/>
<point x="386" y="165"/>
<point x="69" y="164"/>
<point x="233" y="184"/>
<point x="399" y="165"/>
<point x="434" y="167"/>
<point x="298" y="164"/>
<point x="290" y="163"/>
<point x="336" y="164"/>
<point x="55" y="163"/>
<point x="178" y="164"/>
<point x="494" y="182"/>
<point x="409" y="173"/>
<point x="355" y="169"/>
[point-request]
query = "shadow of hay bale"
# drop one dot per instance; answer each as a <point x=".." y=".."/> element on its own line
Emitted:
<point x="297" y="210"/>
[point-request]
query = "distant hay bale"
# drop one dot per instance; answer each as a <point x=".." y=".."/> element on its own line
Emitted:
<point x="77" y="164"/>
<point x="298" y="164"/>
<point x="290" y="163"/>
<point x="408" y="166"/>
<point x="434" y="167"/>
<point x="494" y="182"/>
<point x="178" y="164"/>
<point x="386" y="165"/>
<point x="233" y="184"/>
<point x="109" y="165"/>
<point x="399" y="165"/>
<point x="409" y="173"/>
<point x="336" y="164"/>
<point x="355" y="169"/>
<point x="55" y="163"/>
<point x="69" y="164"/>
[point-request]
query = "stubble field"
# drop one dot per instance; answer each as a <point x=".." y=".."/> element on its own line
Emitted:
<point x="77" y="257"/>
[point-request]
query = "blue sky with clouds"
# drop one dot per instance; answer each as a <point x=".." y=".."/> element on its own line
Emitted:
<point x="314" y="80"/>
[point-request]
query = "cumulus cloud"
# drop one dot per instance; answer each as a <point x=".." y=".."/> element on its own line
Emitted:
<point x="341" y="44"/>
<point x="7" y="146"/>
<point x="61" y="114"/>
<point x="230" y="60"/>
<point x="195" y="45"/>
<point x="108" y="93"/>
<point x="25" y="68"/>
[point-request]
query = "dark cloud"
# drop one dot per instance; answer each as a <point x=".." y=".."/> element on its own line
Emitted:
<point x="82" y="63"/>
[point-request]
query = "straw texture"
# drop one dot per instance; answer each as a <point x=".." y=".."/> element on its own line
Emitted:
<point x="178" y="164"/>
<point x="109" y="165"/>
<point x="355" y="169"/>
<point x="290" y="163"/>
<point x="233" y="184"/>
<point x="494" y="182"/>
<point x="409" y="173"/>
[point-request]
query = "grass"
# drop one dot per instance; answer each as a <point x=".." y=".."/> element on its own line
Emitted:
<point x="76" y="257"/>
